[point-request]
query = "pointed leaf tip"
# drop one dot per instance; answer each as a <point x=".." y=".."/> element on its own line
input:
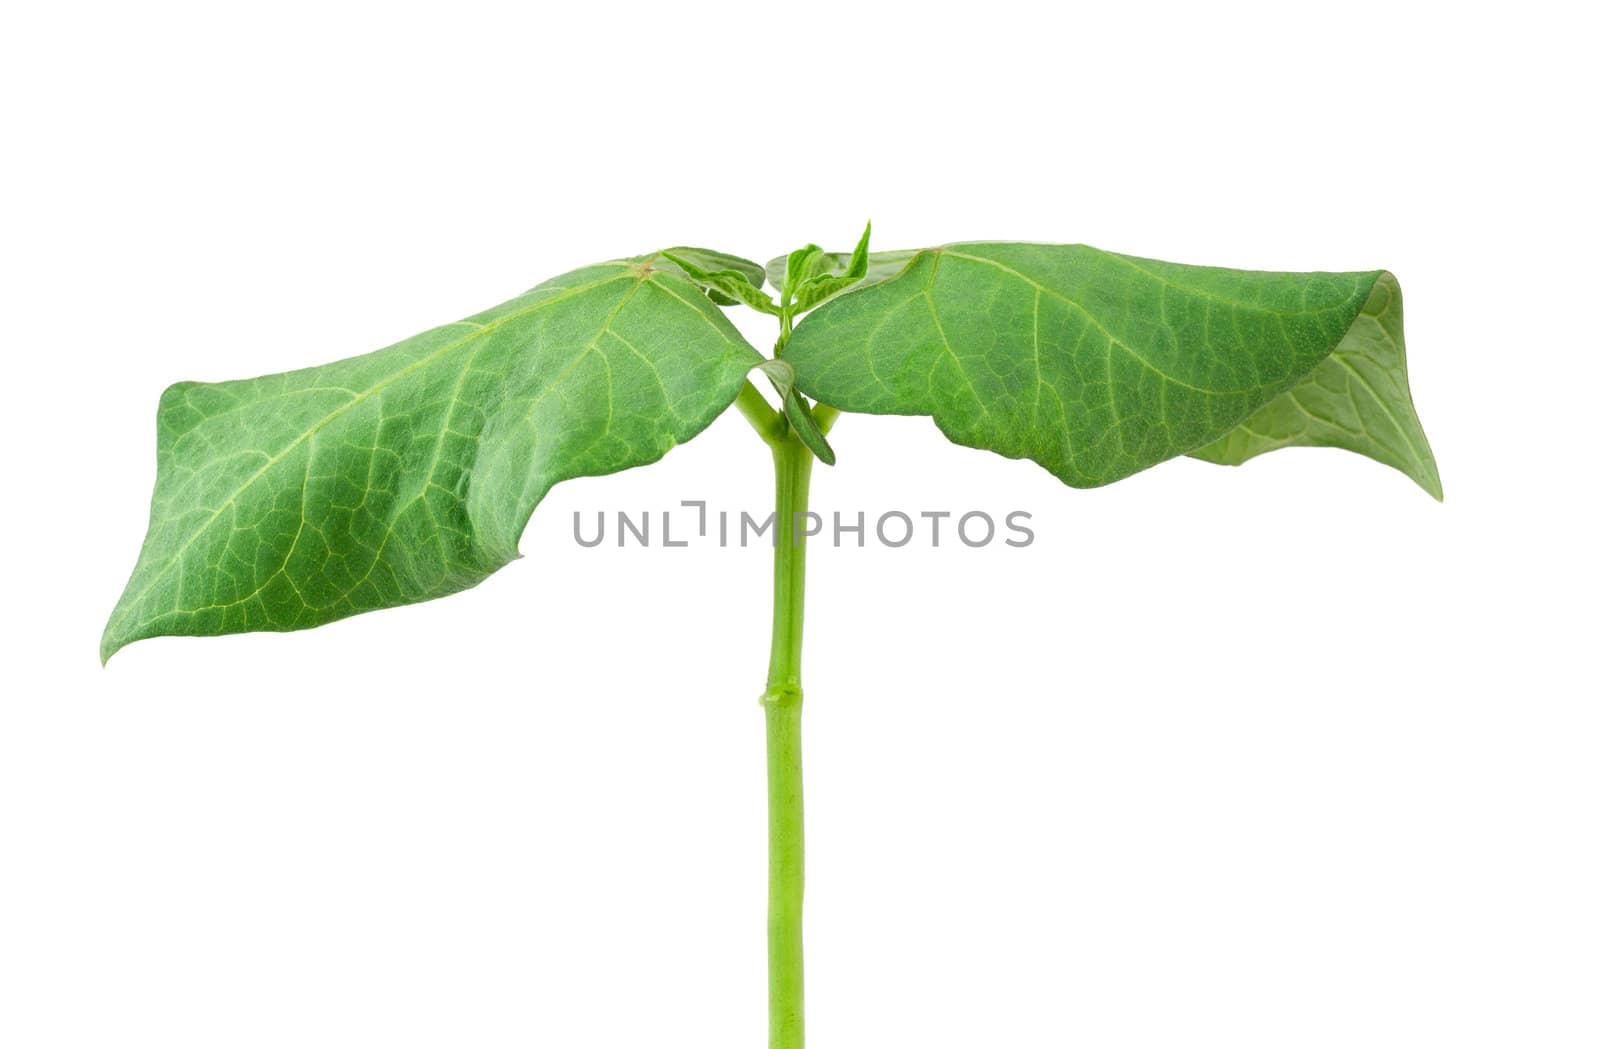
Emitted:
<point x="1358" y="399"/>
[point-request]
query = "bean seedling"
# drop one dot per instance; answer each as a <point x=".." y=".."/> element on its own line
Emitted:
<point x="293" y="500"/>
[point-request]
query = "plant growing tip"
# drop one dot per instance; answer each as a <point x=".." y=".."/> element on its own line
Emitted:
<point x="293" y="500"/>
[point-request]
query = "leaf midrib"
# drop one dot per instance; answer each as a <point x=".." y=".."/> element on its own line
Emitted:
<point x="1113" y="338"/>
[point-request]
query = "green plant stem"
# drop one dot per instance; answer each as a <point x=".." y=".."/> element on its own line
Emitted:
<point x="782" y="701"/>
<point x="754" y="407"/>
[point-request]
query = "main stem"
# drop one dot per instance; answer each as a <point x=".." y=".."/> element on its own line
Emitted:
<point x="786" y="836"/>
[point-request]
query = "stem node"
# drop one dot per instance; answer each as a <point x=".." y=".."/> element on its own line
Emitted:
<point x="782" y="697"/>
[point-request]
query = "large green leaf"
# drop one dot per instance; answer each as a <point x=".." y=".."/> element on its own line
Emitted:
<point x="406" y="474"/>
<point x="1098" y="365"/>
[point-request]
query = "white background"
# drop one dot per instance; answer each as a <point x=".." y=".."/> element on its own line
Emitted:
<point x="1281" y="756"/>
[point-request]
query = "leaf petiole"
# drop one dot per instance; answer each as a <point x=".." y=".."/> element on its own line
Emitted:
<point x="769" y="424"/>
